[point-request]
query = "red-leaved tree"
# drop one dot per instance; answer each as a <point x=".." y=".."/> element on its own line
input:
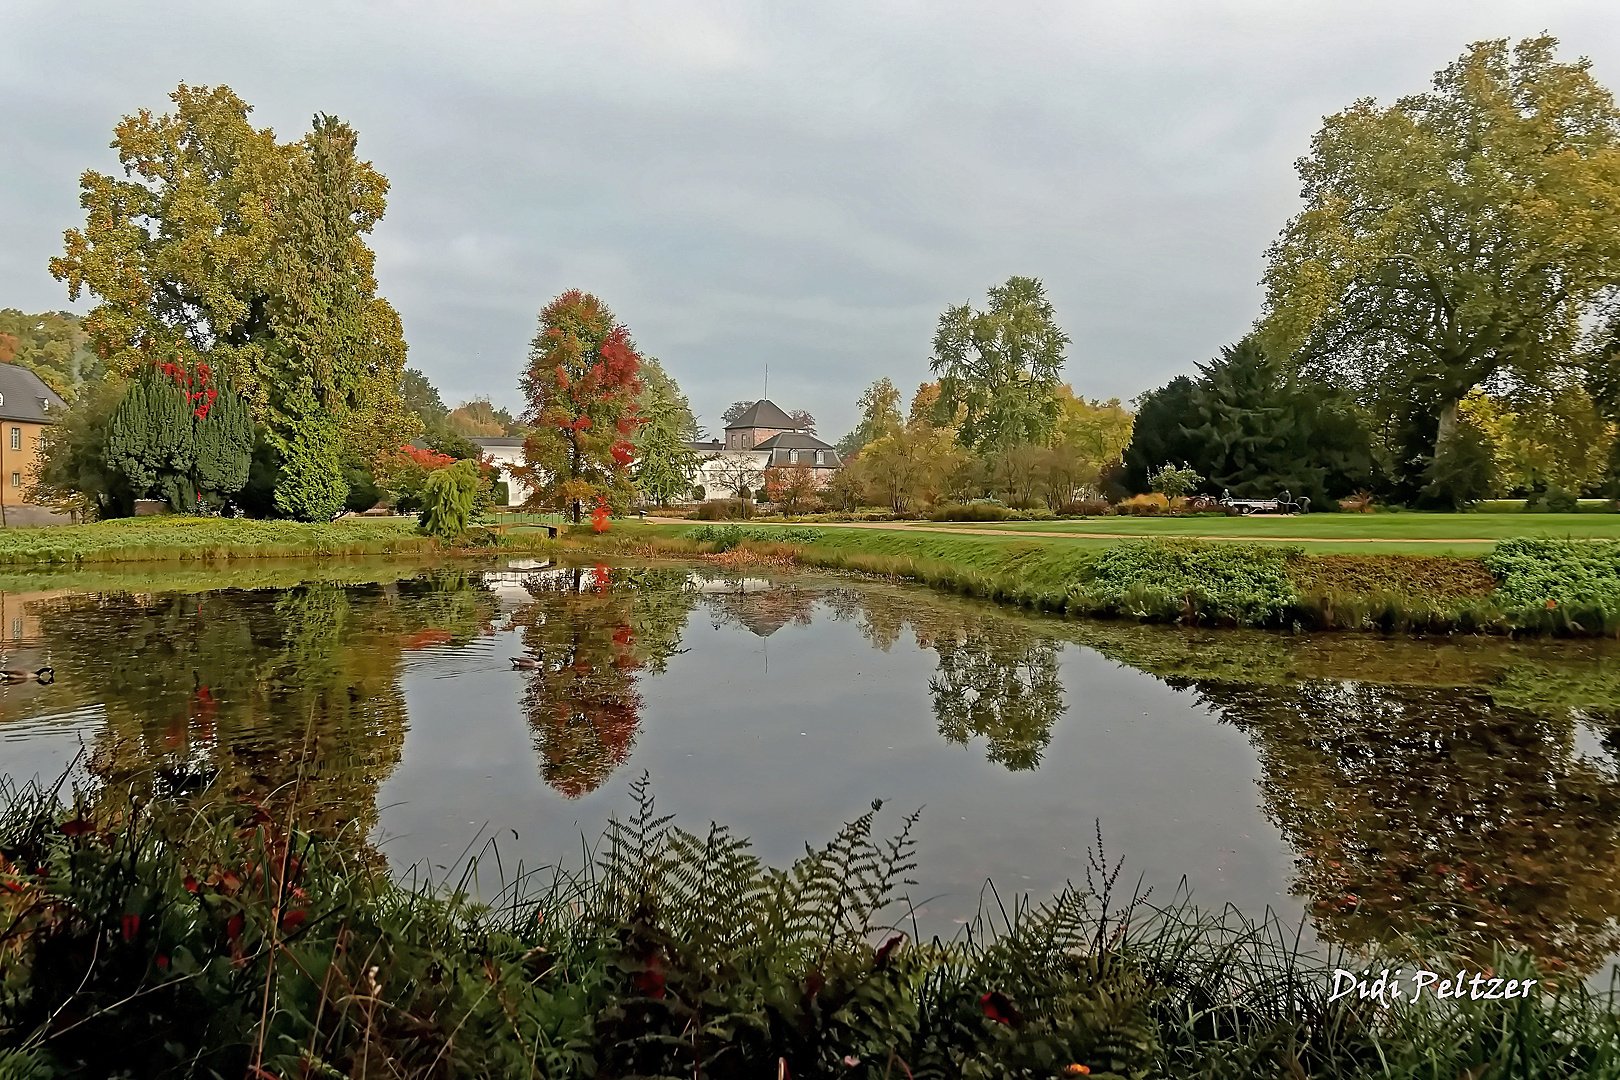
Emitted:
<point x="581" y="382"/>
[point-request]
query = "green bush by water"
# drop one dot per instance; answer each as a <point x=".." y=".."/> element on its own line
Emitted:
<point x="1246" y="584"/>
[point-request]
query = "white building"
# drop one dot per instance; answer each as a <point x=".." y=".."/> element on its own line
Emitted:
<point x="506" y="451"/>
<point x="764" y="437"/>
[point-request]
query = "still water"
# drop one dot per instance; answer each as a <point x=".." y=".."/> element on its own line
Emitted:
<point x="1384" y="790"/>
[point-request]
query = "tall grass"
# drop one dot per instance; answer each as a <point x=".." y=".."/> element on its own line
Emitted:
<point x="148" y="942"/>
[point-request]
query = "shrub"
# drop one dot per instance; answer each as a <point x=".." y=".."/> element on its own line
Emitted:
<point x="726" y="537"/>
<point x="447" y="499"/>
<point x="724" y="510"/>
<point x="1143" y="505"/>
<point x="1549" y="574"/>
<point x="976" y="511"/>
<point x="1359" y="503"/>
<point x="1086" y="508"/>
<point x="1189" y="581"/>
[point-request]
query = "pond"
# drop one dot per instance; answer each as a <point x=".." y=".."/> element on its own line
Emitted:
<point x="1384" y="790"/>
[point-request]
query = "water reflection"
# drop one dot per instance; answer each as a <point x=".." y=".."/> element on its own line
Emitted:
<point x="595" y="634"/>
<point x="287" y="700"/>
<point x="1438" y="816"/>
<point x="1454" y="793"/>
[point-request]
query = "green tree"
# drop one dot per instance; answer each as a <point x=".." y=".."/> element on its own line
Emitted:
<point x="880" y="416"/>
<point x="448" y="497"/>
<point x="1454" y="238"/>
<point x="656" y="381"/>
<point x="74" y="473"/>
<point x="665" y="465"/>
<point x="181" y="436"/>
<point x="999" y="367"/>
<point x="1255" y="427"/>
<point x="582" y="386"/>
<point x="54" y="346"/>
<point x="422" y="397"/>
<point x="224" y="246"/>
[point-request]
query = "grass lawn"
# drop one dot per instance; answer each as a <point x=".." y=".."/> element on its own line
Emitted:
<point x="179" y="538"/>
<point x="1318" y="534"/>
<point x="1480" y="528"/>
<point x="902" y="536"/>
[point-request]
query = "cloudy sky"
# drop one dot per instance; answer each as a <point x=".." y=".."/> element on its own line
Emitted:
<point x="803" y="185"/>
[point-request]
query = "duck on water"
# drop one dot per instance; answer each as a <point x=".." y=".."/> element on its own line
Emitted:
<point x="14" y="675"/>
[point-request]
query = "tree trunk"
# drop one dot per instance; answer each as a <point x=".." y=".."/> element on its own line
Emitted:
<point x="1447" y="429"/>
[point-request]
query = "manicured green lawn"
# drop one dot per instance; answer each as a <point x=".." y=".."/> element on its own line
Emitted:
<point x="1480" y="529"/>
<point x="904" y="537"/>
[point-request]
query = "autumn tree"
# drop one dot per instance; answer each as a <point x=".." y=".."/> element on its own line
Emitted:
<point x="792" y="487"/>
<point x="476" y="418"/>
<point x="803" y="421"/>
<point x="221" y="245"/>
<point x="735" y="410"/>
<point x="1090" y="437"/>
<point x="999" y="367"/>
<point x="1454" y="239"/>
<point x="582" y="385"/>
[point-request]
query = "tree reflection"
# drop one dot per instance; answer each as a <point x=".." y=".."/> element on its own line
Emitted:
<point x="998" y="681"/>
<point x="1438" y="817"/>
<point x="281" y="701"/>
<point x="997" y="677"/>
<point x="594" y="632"/>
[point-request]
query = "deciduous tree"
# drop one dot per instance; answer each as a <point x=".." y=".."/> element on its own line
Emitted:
<point x="223" y="246"/>
<point x="582" y="386"/>
<point x="1453" y="239"/>
<point x="1000" y="366"/>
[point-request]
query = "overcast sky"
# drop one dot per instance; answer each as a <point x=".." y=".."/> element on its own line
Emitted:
<point x="804" y="185"/>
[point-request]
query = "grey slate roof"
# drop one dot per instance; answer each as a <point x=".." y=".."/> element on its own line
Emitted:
<point x="762" y="414"/>
<point x="782" y="442"/>
<point x="23" y="396"/>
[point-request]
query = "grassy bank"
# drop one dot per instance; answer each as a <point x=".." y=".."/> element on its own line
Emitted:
<point x="177" y="538"/>
<point x="1522" y="586"/>
<point x="1352" y="534"/>
<point x="177" y="944"/>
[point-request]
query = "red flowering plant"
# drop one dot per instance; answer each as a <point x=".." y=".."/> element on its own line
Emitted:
<point x="582" y="382"/>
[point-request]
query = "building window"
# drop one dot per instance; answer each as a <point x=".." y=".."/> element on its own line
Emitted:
<point x="16" y="438"/>
<point x="793" y="457"/>
<point x="16" y="629"/>
<point x="821" y="457"/>
<point x="16" y="479"/>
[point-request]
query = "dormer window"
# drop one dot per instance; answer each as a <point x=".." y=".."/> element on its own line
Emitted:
<point x="44" y="404"/>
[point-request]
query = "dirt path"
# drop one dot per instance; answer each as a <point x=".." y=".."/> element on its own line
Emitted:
<point x="968" y="531"/>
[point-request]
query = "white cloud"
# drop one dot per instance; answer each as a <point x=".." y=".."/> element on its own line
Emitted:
<point x="801" y="183"/>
